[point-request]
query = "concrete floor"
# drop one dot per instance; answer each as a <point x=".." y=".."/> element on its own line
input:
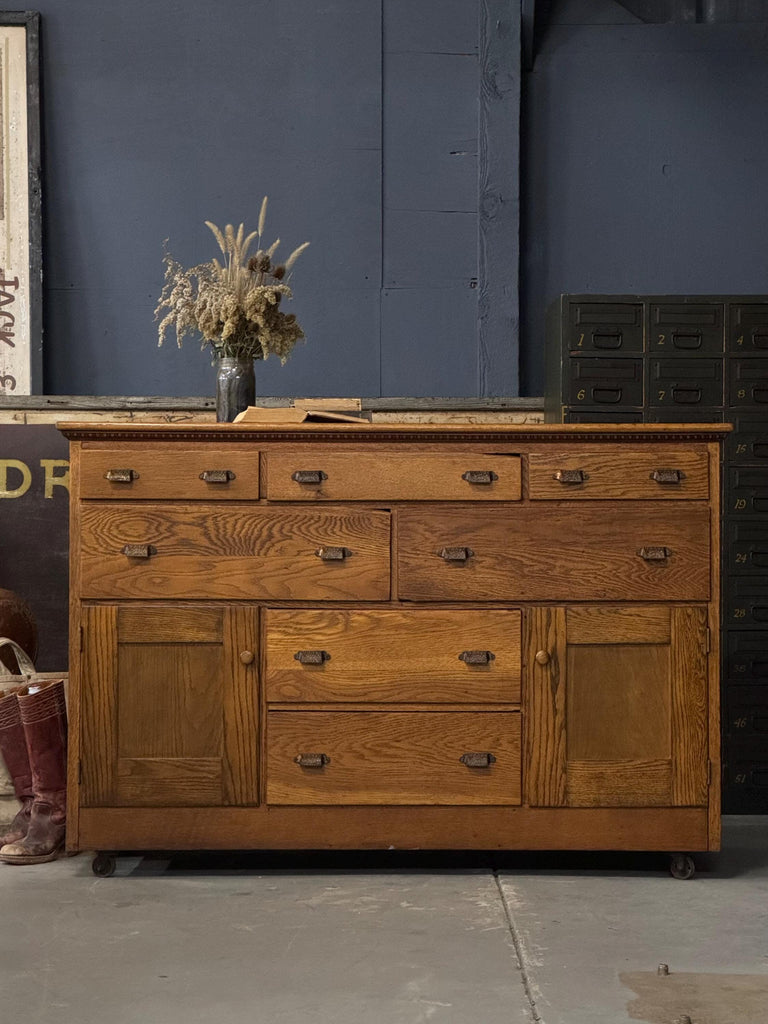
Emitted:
<point x="389" y="939"/>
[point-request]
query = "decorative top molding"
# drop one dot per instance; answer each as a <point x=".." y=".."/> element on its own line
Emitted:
<point x="380" y="432"/>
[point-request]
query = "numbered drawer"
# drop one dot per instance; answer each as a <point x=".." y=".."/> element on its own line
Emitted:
<point x="605" y="382"/>
<point x="746" y="657"/>
<point x="686" y="328"/>
<point x="233" y="552"/>
<point x="600" y="416"/>
<point x="747" y="491"/>
<point x="746" y="717"/>
<point x="745" y="787"/>
<point x="393" y="757"/>
<point x="674" y="414"/>
<point x="558" y="552"/>
<point x="747" y="546"/>
<point x="605" y="327"/>
<point x="748" y="328"/>
<point x="322" y="475"/>
<point x="748" y="443"/>
<point x="409" y="656"/>
<point x="748" y="382"/>
<point x="746" y="601"/>
<point x="689" y="383"/>
<point x="617" y="471"/>
<point x="201" y="472"/>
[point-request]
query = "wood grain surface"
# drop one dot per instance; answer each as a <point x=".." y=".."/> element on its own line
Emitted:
<point x="403" y="656"/>
<point x="395" y="757"/>
<point x="365" y="476"/>
<point x="172" y="474"/>
<point x="555" y="552"/>
<point x="233" y="551"/>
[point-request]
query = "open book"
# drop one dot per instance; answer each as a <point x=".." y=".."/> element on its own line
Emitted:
<point x="292" y="414"/>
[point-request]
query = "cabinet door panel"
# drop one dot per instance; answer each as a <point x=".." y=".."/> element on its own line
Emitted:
<point x="169" y="710"/>
<point x="617" y="707"/>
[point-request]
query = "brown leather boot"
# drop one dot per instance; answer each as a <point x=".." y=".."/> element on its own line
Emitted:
<point x="44" y="717"/>
<point x="13" y="747"/>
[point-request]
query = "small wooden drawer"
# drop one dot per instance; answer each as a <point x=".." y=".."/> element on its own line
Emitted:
<point x="410" y="656"/>
<point x="611" y="472"/>
<point x="397" y="757"/>
<point x="204" y="473"/>
<point x="233" y="552"/>
<point x="322" y="475"/>
<point x="637" y="551"/>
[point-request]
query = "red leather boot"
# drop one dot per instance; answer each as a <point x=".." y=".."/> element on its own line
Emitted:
<point x="13" y="747"/>
<point x="44" y="717"/>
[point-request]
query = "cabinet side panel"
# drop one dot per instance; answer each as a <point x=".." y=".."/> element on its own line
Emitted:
<point x="241" y="701"/>
<point x="689" y="707"/>
<point x="98" y="704"/>
<point x="545" y="778"/>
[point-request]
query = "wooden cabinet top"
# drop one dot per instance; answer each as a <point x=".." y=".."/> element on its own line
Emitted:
<point x="396" y="432"/>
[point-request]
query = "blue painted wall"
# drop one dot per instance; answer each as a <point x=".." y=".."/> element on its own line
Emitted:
<point x="358" y="118"/>
<point x="644" y="169"/>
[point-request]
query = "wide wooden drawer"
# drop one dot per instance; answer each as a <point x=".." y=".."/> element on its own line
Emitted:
<point x="408" y="656"/>
<point x="320" y="475"/>
<point x="202" y="472"/>
<point x="558" y="552"/>
<point x="617" y="472"/>
<point x="233" y="551"/>
<point x="397" y="757"/>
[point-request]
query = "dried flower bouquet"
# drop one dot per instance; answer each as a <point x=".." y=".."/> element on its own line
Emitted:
<point x="233" y="305"/>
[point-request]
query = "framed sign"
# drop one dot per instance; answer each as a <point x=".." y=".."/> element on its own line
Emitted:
<point x="20" y="205"/>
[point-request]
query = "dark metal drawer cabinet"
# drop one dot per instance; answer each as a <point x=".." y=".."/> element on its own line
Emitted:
<point x="749" y="441"/>
<point x="746" y="491"/>
<point x="686" y="329"/>
<point x="746" y="601"/>
<point x="605" y="327"/>
<point x="689" y="383"/>
<point x="606" y="382"/>
<point x="746" y="657"/>
<point x="746" y="543"/>
<point x="748" y="383"/>
<point x="748" y="328"/>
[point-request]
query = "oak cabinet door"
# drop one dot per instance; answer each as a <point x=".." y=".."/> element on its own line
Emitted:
<point x="617" y="707"/>
<point x="168" y="697"/>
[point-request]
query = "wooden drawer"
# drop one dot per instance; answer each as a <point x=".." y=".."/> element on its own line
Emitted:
<point x="231" y="473"/>
<point x="397" y="757"/>
<point x="233" y="552"/>
<point x="558" y="552"/>
<point x="320" y="475"/>
<point x="407" y="656"/>
<point x="615" y="471"/>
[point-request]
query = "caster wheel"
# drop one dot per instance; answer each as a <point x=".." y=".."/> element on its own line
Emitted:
<point x="104" y="865"/>
<point x="681" y="865"/>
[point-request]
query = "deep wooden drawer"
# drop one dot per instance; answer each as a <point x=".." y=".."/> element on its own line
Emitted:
<point x="233" y="551"/>
<point x="409" y="656"/>
<point x="559" y="552"/>
<point x="204" y="472"/>
<point x="397" y="757"/>
<point x="320" y="475"/>
<point x="618" y="472"/>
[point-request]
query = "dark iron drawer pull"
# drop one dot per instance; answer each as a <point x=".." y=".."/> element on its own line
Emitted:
<point x="312" y="760"/>
<point x="668" y="476"/>
<point x="686" y="396"/>
<point x="333" y="554"/>
<point x="655" y="554"/>
<point x="479" y="476"/>
<point x="479" y="759"/>
<point x="607" y="339"/>
<point x="121" y="476"/>
<point x="312" y="657"/>
<point x="217" y="476"/>
<point x="139" y="550"/>
<point x="309" y="476"/>
<point x="476" y="657"/>
<point x="456" y="554"/>
<point x="571" y="476"/>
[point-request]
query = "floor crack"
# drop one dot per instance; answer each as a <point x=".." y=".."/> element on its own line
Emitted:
<point x="518" y="946"/>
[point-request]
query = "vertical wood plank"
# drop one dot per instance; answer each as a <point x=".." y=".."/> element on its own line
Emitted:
<point x="98" y="705"/>
<point x="240" y="689"/>
<point x="499" y="198"/>
<point x="545" y="738"/>
<point x="76" y="631"/>
<point x="689" y="707"/>
<point x="715" y="826"/>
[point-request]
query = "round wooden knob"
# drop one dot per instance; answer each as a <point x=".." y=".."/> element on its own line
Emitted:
<point x="247" y="657"/>
<point x="542" y="657"/>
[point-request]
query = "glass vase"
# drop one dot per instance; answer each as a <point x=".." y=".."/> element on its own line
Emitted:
<point x="235" y="387"/>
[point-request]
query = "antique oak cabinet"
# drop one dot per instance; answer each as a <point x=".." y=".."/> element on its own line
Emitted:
<point x="381" y="636"/>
